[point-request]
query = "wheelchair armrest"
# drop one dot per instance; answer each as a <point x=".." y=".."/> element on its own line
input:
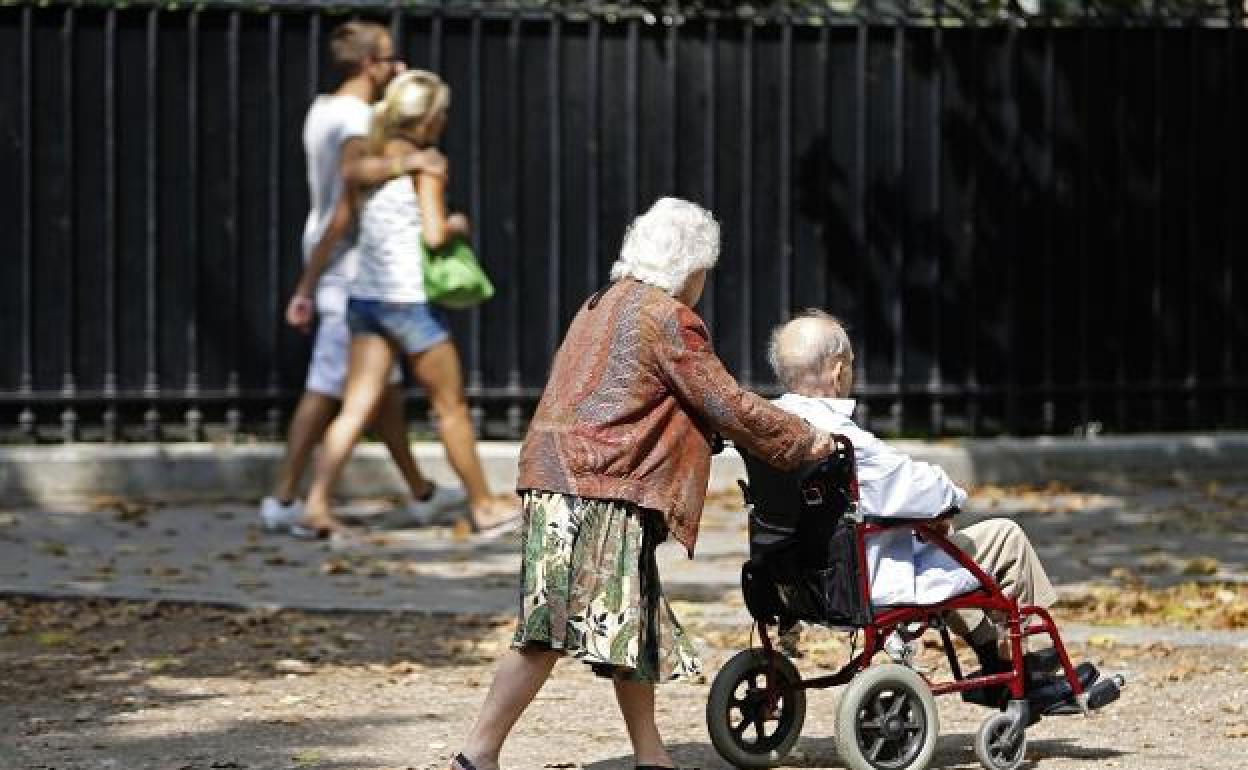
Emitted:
<point x="890" y="522"/>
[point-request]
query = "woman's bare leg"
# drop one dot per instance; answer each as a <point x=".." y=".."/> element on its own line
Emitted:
<point x="438" y="371"/>
<point x="391" y="426"/>
<point x="636" y="701"/>
<point x="371" y="358"/>
<point x="520" y="675"/>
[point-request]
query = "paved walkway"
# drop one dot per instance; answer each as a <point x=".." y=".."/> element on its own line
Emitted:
<point x="217" y="554"/>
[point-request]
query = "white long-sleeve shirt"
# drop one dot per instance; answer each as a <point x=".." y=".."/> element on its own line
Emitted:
<point x="903" y="570"/>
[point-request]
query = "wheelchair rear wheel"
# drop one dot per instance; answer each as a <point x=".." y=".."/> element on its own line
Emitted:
<point x="753" y="718"/>
<point x="887" y="720"/>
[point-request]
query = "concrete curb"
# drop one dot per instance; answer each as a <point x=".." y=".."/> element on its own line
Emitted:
<point x="79" y="474"/>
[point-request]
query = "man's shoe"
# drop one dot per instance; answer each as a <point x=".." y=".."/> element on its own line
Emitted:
<point x="1042" y="691"/>
<point x="444" y="506"/>
<point x="1045" y="698"/>
<point x="276" y="516"/>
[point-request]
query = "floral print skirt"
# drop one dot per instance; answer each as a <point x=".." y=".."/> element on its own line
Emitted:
<point x="590" y="588"/>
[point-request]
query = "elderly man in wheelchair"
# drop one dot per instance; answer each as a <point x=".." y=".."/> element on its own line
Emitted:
<point x="863" y="541"/>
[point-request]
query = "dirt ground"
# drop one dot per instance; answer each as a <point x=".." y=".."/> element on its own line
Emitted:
<point x="106" y="684"/>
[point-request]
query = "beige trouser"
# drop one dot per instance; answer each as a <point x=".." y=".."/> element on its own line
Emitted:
<point x="1002" y="549"/>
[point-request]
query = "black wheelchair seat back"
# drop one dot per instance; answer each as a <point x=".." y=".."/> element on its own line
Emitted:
<point x="804" y="560"/>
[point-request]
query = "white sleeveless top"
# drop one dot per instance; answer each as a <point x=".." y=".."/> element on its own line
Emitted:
<point x="389" y="246"/>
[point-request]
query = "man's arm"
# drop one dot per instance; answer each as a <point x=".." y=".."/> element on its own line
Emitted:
<point x="692" y="370"/>
<point x="891" y="483"/>
<point x="359" y="169"/>
<point x="299" y="310"/>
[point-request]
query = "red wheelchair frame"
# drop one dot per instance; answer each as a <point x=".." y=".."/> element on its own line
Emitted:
<point x="988" y="598"/>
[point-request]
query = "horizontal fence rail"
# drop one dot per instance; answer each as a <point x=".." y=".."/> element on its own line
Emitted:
<point x="1028" y="215"/>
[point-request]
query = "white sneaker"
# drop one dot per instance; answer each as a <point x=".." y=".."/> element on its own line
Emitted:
<point x="444" y="506"/>
<point x="278" y="517"/>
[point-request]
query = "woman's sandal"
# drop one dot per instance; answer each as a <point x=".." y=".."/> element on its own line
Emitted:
<point x="313" y="529"/>
<point x="461" y="763"/>
<point x="499" y="528"/>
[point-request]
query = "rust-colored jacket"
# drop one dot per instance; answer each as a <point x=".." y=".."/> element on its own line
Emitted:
<point x="633" y="398"/>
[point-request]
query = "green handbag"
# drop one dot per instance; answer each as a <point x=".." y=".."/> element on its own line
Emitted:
<point x="453" y="278"/>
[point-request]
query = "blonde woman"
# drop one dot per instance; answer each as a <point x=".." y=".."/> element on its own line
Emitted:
<point x="387" y="311"/>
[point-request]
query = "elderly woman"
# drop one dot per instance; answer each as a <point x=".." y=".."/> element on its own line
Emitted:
<point x="617" y="458"/>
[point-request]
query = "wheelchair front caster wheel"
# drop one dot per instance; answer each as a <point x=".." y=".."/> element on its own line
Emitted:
<point x="756" y="709"/>
<point x="887" y="720"/>
<point x="994" y="745"/>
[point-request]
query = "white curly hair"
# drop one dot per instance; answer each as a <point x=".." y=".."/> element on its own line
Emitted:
<point x="667" y="244"/>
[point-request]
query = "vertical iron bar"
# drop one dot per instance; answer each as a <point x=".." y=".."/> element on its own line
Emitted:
<point x="396" y="27"/>
<point x="233" y="255"/>
<point x="709" y="138"/>
<point x="194" y="416"/>
<point x="67" y="226"/>
<point x="314" y="53"/>
<point x="633" y="118"/>
<point x="151" y="383"/>
<point x="858" y="214"/>
<point x="784" y="200"/>
<point x="515" y="227"/>
<point x="26" y="420"/>
<point x="109" y="418"/>
<point x="1119" y="230"/>
<point x="747" y="202"/>
<point x="555" y="185"/>
<point x="1082" y="199"/>
<point x="1048" y="416"/>
<point x="1230" y="227"/>
<point x="274" y="412"/>
<point x="476" y="377"/>
<point x="1156" y="305"/>
<point x="593" y="151"/>
<point x="971" y="229"/>
<point x="821" y="107"/>
<point x="673" y="122"/>
<point x="896" y="310"/>
<point x="1192" y="381"/>
<point x="935" y="375"/>
<point x="1014" y="178"/>
<point x="436" y="34"/>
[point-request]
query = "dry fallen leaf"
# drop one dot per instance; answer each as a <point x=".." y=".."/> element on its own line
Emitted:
<point x="1201" y="565"/>
<point x="308" y="758"/>
<point x="292" y="666"/>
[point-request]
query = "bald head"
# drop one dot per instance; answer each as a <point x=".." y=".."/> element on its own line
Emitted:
<point x="811" y="355"/>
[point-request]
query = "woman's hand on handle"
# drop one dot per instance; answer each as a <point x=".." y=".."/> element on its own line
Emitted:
<point x="824" y="445"/>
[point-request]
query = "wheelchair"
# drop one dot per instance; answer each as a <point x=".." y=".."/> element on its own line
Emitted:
<point x="808" y="563"/>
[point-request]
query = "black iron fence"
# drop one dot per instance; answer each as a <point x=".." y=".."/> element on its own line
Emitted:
<point x="1031" y="223"/>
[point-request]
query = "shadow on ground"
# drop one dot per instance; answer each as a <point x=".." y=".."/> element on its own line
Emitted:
<point x="953" y="752"/>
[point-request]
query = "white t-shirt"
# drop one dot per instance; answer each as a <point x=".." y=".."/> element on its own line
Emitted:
<point x="332" y="120"/>
<point x="389" y="251"/>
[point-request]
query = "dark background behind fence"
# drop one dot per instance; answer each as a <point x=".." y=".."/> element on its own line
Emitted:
<point x="1029" y="227"/>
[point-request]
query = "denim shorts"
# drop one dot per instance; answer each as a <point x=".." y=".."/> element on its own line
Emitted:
<point x="413" y="326"/>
